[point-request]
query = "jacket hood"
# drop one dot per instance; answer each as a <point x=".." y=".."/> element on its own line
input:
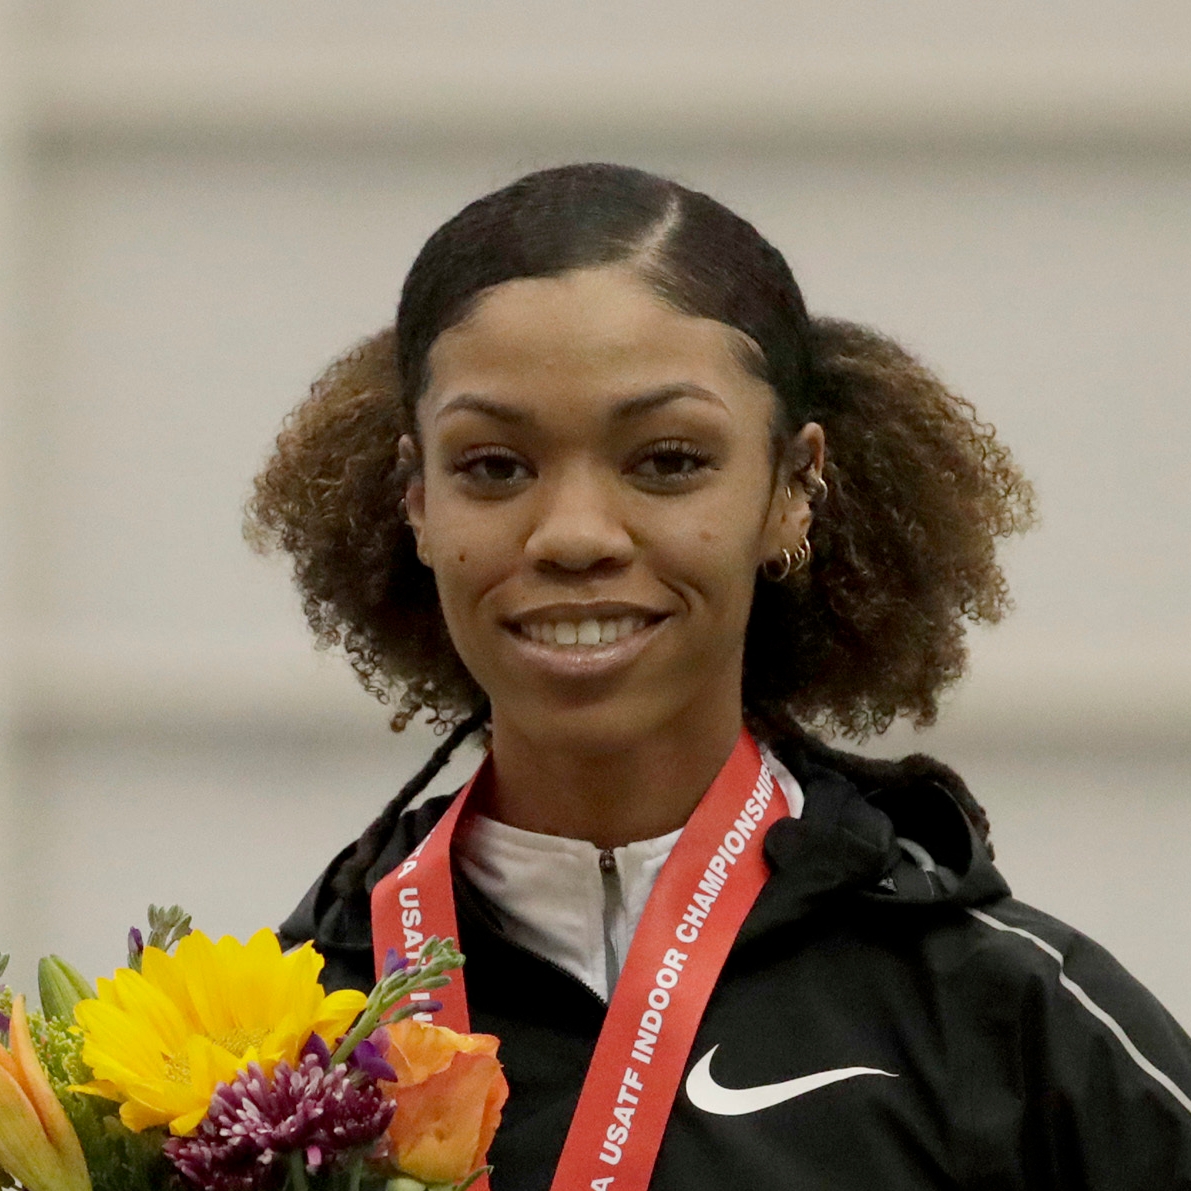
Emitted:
<point x="907" y="833"/>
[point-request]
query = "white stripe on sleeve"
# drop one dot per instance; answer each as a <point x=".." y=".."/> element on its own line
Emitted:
<point x="1095" y="1010"/>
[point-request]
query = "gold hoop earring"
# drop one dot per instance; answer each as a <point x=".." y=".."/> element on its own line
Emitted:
<point x="776" y="570"/>
<point x="816" y="488"/>
<point x="813" y="485"/>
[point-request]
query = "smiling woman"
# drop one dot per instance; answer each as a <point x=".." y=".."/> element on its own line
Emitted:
<point x="596" y="497"/>
<point x="608" y="493"/>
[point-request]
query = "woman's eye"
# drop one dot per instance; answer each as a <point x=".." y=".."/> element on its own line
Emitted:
<point x="492" y="468"/>
<point x="672" y="461"/>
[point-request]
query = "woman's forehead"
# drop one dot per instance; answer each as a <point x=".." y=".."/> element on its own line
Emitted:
<point x="593" y="330"/>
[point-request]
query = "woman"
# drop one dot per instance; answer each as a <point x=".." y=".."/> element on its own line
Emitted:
<point x="607" y="493"/>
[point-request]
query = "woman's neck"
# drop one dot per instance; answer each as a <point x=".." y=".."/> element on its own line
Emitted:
<point x="610" y="795"/>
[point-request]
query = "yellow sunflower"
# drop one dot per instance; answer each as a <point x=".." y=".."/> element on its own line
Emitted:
<point x="161" y="1040"/>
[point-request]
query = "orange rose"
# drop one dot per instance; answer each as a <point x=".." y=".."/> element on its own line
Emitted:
<point x="449" y="1093"/>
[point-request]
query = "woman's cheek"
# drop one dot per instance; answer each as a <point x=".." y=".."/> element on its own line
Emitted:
<point x="468" y="575"/>
<point x="713" y="562"/>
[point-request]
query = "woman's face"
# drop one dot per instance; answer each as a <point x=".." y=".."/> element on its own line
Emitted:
<point x="598" y="489"/>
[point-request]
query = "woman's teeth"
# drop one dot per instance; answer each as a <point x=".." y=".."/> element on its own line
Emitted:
<point x="583" y="632"/>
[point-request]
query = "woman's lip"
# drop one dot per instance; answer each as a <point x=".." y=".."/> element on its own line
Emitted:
<point x="585" y="661"/>
<point x="574" y="613"/>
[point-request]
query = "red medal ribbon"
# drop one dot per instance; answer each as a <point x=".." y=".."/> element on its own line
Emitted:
<point x="702" y="895"/>
<point x="415" y="901"/>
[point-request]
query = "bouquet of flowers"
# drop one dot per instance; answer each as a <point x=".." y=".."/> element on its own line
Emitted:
<point x="222" y="1066"/>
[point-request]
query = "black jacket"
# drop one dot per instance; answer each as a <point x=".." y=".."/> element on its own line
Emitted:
<point x="1024" y="1055"/>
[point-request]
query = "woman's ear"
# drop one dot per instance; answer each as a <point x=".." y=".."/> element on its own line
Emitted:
<point x="804" y="459"/>
<point x="414" y="500"/>
<point x="791" y="514"/>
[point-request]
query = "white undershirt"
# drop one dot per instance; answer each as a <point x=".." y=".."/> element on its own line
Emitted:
<point x="552" y="897"/>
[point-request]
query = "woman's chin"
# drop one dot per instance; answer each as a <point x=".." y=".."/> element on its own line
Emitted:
<point x="621" y="720"/>
<point x="590" y="725"/>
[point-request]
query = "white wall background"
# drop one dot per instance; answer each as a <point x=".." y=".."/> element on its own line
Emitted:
<point x="201" y="204"/>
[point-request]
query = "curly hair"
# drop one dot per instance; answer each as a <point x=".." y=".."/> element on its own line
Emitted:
<point x="919" y="489"/>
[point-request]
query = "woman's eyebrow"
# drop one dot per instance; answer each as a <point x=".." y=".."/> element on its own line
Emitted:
<point x="635" y="407"/>
<point x="474" y="403"/>
<point x="630" y="407"/>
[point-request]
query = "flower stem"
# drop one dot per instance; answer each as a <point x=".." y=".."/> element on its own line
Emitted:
<point x="437" y="957"/>
<point x="471" y="1178"/>
<point x="297" y="1170"/>
<point x="356" y="1172"/>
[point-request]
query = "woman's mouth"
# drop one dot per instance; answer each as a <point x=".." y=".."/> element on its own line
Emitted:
<point x="572" y="643"/>
<point x="587" y="632"/>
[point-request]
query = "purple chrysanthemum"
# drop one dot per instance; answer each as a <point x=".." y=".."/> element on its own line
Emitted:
<point x="254" y="1124"/>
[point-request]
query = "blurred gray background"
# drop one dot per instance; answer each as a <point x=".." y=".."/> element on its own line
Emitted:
<point x="201" y="204"/>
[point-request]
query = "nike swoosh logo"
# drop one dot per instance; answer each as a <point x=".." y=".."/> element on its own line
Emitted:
<point x="703" y="1092"/>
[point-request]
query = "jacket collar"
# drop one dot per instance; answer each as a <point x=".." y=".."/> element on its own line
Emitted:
<point x="856" y="811"/>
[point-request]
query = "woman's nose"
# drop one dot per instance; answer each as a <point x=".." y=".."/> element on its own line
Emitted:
<point x="578" y="525"/>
